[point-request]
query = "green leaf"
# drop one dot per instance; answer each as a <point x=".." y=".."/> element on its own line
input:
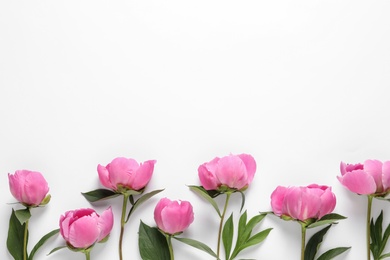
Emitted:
<point x="378" y="240"/>
<point x="256" y="239"/>
<point x="243" y="237"/>
<point x="243" y="200"/>
<point x="384" y="256"/>
<point x="227" y="236"/>
<point x="15" y="237"/>
<point x="327" y="219"/>
<point x="196" y="244"/>
<point x="23" y="215"/>
<point x="141" y="200"/>
<point x="56" y="249"/>
<point x="241" y="229"/>
<point x="42" y="241"/>
<point x="99" y="194"/>
<point x="314" y="243"/>
<point x="330" y="254"/>
<point x="204" y="194"/>
<point x="152" y="244"/>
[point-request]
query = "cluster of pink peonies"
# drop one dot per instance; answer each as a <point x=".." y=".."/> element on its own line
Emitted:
<point x="83" y="228"/>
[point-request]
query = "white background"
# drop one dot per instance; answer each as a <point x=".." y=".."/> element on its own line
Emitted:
<point x="300" y="85"/>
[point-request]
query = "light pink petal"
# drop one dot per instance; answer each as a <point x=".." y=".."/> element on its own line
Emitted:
<point x="250" y="165"/>
<point x="105" y="223"/>
<point x="157" y="212"/>
<point x="300" y="204"/>
<point x="386" y="175"/>
<point x="231" y="171"/>
<point x="207" y="178"/>
<point x="143" y="175"/>
<point x="121" y="171"/>
<point x="84" y="232"/>
<point x="374" y="168"/>
<point x="15" y="186"/>
<point x="328" y="202"/>
<point x="277" y="198"/>
<point x="343" y="168"/>
<point x="359" y="182"/>
<point x="64" y="224"/>
<point x="104" y="177"/>
<point x="176" y="217"/>
<point x="35" y="188"/>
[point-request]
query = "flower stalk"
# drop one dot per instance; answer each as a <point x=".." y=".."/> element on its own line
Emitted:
<point x="368" y="231"/>
<point x="303" y="240"/>
<point x="221" y="224"/>
<point x="25" y="241"/>
<point x="123" y="222"/>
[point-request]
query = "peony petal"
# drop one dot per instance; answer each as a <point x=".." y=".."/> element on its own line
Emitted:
<point x="300" y="204"/>
<point x="176" y="217"/>
<point x="359" y="182"/>
<point x="157" y="212"/>
<point x="277" y="198"/>
<point x="64" y="224"/>
<point x="231" y="171"/>
<point x="15" y="186"/>
<point x="35" y="188"/>
<point x="105" y="223"/>
<point x="104" y="177"/>
<point x="328" y="202"/>
<point x="84" y="232"/>
<point x="374" y="168"/>
<point x="207" y="178"/>
<point x="250" y="165"/>
<point x="386" y="175"/>
<point x="143" y="175"/>
<point x="121" y="170"/>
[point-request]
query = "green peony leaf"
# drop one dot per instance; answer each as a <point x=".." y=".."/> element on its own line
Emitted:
<point x="99" y="194"/>
<point x="204" y="194"/>
<point x="15" y="237"/>
<point x="141" y="200"/>
<point x="330" y="254"/>
<point x="227" y="236"/>
<point x="196" y="244"/>
<point x="314" y="243"/>
<point x="152" y="244"/>
<point x="327" y="219"/>
<point x="256" y="239"/>
<point x="378" y="240"/>
<point x="56" y="249"/>
<point x="23" y="215"/>
<point x="42" y="241"/>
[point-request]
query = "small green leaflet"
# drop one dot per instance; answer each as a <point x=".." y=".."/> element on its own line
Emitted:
<point x="99" y="194"/>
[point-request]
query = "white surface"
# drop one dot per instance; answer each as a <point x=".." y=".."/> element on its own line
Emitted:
<point x="300" y="85"/>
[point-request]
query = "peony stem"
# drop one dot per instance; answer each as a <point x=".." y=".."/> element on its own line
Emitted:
<point x="25" y="240"/>
<point x="87" y="255"/>
<point x="303" y="240"/>
<point x="221" y="224"/>
<point x="169" y="241"/>
<point x="123" y="222"/>
<point x="368" y="232"/>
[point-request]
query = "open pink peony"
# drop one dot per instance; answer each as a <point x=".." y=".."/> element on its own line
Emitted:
<point x="126" y="173"/>
<point x="82" y="228"/>
<point x="370" y="178"/>
<point x="302" y="203"/>
<point x="233" y="171"/>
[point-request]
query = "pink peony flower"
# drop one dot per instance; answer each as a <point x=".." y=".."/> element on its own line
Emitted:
<point x="82" y="228"/>
<point x="173" y="216"/>
<point x="28" y="187"/>
<point x="370" y="178"/>
<point x="233" y="171"/>
<point x="127" y="173"/>
<point x="303" y="203"/>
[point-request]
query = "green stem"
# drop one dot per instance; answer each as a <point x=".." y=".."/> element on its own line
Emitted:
<point x="169" y="241"/>
<point x="303" y="240"/>
<point x="368" y="235"/>
<point x="221" y="223"/>
<point x="123" y="222"/>
<point x="87" y="255"/>
<point x="25" y="241"/>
